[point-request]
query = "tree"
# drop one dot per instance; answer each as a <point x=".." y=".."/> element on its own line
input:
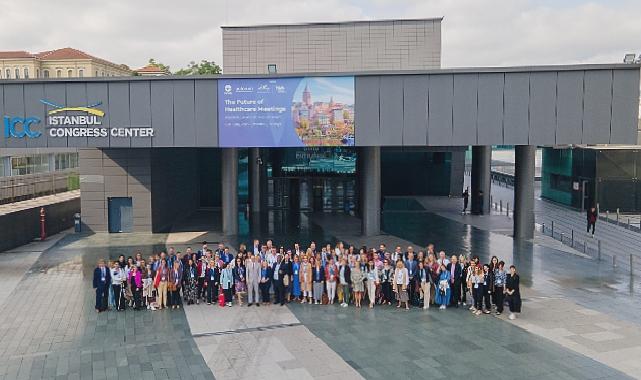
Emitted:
<point x="152" y="61"/>
<point x="203" y="68"/>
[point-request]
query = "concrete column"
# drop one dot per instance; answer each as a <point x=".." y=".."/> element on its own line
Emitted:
<point x="229" y="179"/>
<point x="370" y="166"/>
<point x="255" y="178"/>
<point x="524" y="191"/>
<point x="481" y="179"/>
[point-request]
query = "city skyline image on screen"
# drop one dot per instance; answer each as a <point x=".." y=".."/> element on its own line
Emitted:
<point x="286" y="112"/>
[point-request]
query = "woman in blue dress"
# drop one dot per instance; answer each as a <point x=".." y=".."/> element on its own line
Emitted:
<point x="443" y="290"/>
<point x="295" y="279"/>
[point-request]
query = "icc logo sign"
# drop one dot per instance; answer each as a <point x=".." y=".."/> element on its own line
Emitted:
<point x="19" y="127"/>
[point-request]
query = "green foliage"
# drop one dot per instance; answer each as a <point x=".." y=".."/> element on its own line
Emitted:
<point x="152" y="61"/>
<point x="203" y="68"/>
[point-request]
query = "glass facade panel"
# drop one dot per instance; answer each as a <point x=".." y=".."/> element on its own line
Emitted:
<point x="415" y="172"/>
<point x="29" y="164"/>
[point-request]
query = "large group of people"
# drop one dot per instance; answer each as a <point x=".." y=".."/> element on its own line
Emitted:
<point x="267" y="274"/>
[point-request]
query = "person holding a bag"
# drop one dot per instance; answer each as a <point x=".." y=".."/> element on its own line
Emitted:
<point x="175" y="278"/>
<point x="226" y="282"/>
<point x="162" y="277"/>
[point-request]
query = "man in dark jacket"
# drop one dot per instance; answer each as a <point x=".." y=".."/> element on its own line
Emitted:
<point x="101" y="282"/>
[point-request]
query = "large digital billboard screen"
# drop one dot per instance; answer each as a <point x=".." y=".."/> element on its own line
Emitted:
<point x="286" y="112"/>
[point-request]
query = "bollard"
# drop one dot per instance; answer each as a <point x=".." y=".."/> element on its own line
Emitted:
<point x="614" y="261"/>
<point x="631" y="270"/>
<point x="507" y="209"/>
<point x="43" y="229"/>
<point x="562" y="236"/>
<point x="607" y="215"/>
<point x="617" y="216"/>
<point x="628" y="223"/>
<point x="584" y="246"/>
<point x="553" y="229"/>
<point x="543" y="228"/>
<point x="491" y="198"/>
<point x="500" y="205"/>
<point x="572" y="241"/>
<point x="598" y="250"/>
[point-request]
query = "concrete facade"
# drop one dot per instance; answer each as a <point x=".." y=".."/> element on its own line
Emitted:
<point x="106" y="173"/>
<point x="458" y="107"/>
<point x="333" y="47"/>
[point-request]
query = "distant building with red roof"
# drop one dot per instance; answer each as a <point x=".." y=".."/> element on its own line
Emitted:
<point x="59" y="63"/>
<point x="152" y="70"/>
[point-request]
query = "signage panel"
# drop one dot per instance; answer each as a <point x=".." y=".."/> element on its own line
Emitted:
<point x="286" y="112"/>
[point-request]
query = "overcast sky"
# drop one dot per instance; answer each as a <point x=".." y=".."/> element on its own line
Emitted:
<point x="475" y="32"/>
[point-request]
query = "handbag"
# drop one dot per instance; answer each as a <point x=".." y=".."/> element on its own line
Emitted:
<point x="221" y="298"/>
<point x="286" y="280"/>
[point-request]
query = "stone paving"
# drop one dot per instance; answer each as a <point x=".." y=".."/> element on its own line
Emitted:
<point x="50" y="329"/>
<point x="567" y="300"/>
<point x="578" y="320"/>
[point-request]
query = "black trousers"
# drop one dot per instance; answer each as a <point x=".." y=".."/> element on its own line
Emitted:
<point x="464" y="291"/>
<point x="279" y="292"/>
<point x="590" y="224"/>
<point x="411" y="292"/>
<point x="498" y="298"/>
<point x="386" y="288"/>
<point x="487" y="295"/>
<point x="175" y="297"/>
<point x="212" y="292"/>
<point x="228" y="294"/>
<point x="456" y="293"/>
<point x="137" y="297"/>
<point x="119" y="297"/>
<point x="201" y="289"/>
<point x="478" y="297"/>
<point x="264" y="291"/>
<point x="102" y="293"/>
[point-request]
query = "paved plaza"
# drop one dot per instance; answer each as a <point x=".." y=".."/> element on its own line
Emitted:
<point x="578" y="319"/>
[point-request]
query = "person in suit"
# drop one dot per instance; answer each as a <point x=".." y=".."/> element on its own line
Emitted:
<point x="253" y="280"/>
<point x="265" y="281"/>
<point x="456" y="276"/>
<point x="412" y="270"/>
<point x="101" y="282"/>
<point x="279" y="271"/>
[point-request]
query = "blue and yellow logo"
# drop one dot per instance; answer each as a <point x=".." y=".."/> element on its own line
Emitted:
<point x="90" y="109"/>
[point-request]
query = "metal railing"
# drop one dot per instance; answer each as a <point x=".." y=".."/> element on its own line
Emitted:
<point x="595" y="248"/>
<point x="629" y="222"/>
<point x="24" y="187"/>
